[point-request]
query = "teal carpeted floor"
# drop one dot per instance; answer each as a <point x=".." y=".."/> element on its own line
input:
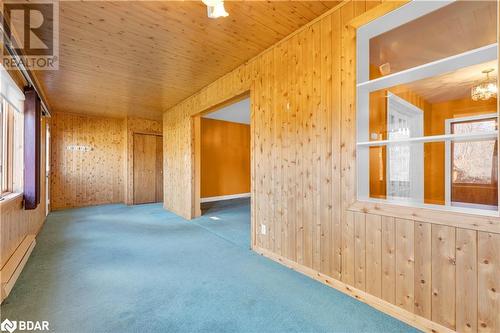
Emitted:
<point x="142" y="269"/>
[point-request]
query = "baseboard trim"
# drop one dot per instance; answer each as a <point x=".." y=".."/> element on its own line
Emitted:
<point x="392" y="310"/>
<point x="13" y="267"/>
<point x="225" y="197"/>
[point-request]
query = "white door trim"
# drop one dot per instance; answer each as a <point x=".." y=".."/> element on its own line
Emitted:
<point x="417" y="176"/>
<point x="226" y="197"/>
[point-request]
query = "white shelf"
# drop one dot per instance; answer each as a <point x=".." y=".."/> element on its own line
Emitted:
<point x="438" y="67"/>
<point x="433" y="138"/>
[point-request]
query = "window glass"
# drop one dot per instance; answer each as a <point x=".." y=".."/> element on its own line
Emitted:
<point x="472" y="183"/>
<point x="2" y="142"/>
<point x="10" y="147"/>
<point x="456" y="28"/>
<point x="422" y="107"/>
<point x="429" y="134"/>
<point x="474" y="166"/>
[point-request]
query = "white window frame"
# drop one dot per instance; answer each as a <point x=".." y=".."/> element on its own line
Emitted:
<point x="12" y="95"/>
<point x="3" y="144"/>
<point x="365" y="86"/>
<point x="447" y="149"/>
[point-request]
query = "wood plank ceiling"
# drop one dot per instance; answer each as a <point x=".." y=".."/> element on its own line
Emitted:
<point x="135" y="58"/>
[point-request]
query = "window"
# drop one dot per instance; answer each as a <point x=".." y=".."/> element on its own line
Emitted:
<point x="11" y="135"/>
<point x="427" y="110"/>
<point x="7" y="153"/>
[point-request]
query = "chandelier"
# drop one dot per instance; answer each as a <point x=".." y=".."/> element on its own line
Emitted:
<point x="486" y="89"/>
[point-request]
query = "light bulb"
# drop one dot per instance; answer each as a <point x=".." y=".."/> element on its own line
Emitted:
<point x="215" y="8"/>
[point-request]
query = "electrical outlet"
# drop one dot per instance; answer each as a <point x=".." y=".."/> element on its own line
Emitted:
<point x="263" y="229"/>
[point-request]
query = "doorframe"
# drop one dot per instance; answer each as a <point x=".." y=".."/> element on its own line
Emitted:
<point x="196" y="157"/>
<point x="48" y="167"/>
<point x="447" y="150"/>
<point x="419" y="171"/>
<point x="130" y="183"/>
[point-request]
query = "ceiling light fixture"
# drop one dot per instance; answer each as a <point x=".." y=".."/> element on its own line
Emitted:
<point x="215" y="8"/>
<point x="486" y="89"/>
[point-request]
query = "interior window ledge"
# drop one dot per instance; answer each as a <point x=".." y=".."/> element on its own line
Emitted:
<point x="429" y="215"/>
<point x="10" y="198"/>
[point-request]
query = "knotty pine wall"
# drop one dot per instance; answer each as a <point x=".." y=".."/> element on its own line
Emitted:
<point x="86" y="178"/>
<point x="101" y="176"/>
<point x="17" y="223"/>
<point x="436" y="271"/>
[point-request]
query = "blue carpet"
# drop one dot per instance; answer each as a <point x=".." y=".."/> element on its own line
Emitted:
<point x="142" y="269"/>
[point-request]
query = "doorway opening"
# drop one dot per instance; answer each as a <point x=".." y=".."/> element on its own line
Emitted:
<point x="223" y="165"/>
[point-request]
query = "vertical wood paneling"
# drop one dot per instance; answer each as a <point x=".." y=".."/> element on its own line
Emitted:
<point x="423" y="260"/>
<point x="93" y="177"/>
<point x="348" y="147"/>
<point x="466" y="275"/>
<point x="300" y="105"/>
<point x="348" y="266"/>
<point x="306" y="113"/>
<point x="325" y="175"/>
<point x="488" y="274"/>
<point x="290" y="154"/>
<point x="159" y="169"/>
<point x="443" y="275"/>
<point x="279" y="160"/>
<point x="405" y="264"/>
<point x="304" y="182"/>
<point x="360" y="250"/>
<point x="336" y="146"/>
<point x="389" y="259"/>
<point x="15" y="222"/>
<point x="374" y="255"/>
<point x="317" y="116"/>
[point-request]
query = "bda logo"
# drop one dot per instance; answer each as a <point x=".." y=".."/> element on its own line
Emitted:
<point x="8" y="325"/>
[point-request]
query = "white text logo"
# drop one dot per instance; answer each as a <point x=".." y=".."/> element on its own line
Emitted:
<point x="8" y="325"/>
<point x="24" y="325"/>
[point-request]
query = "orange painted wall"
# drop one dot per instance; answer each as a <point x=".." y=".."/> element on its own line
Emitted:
<point x="225" y="158"/>
<point x="435" y="152"/>
<point x="435" y="116"/>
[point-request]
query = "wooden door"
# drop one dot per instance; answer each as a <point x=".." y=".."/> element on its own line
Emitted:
<point x="159" y="169"/>
<point x="145" y="168"/>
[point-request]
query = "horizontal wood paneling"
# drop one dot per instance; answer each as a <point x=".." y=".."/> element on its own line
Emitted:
<point x="304" y="186"/>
